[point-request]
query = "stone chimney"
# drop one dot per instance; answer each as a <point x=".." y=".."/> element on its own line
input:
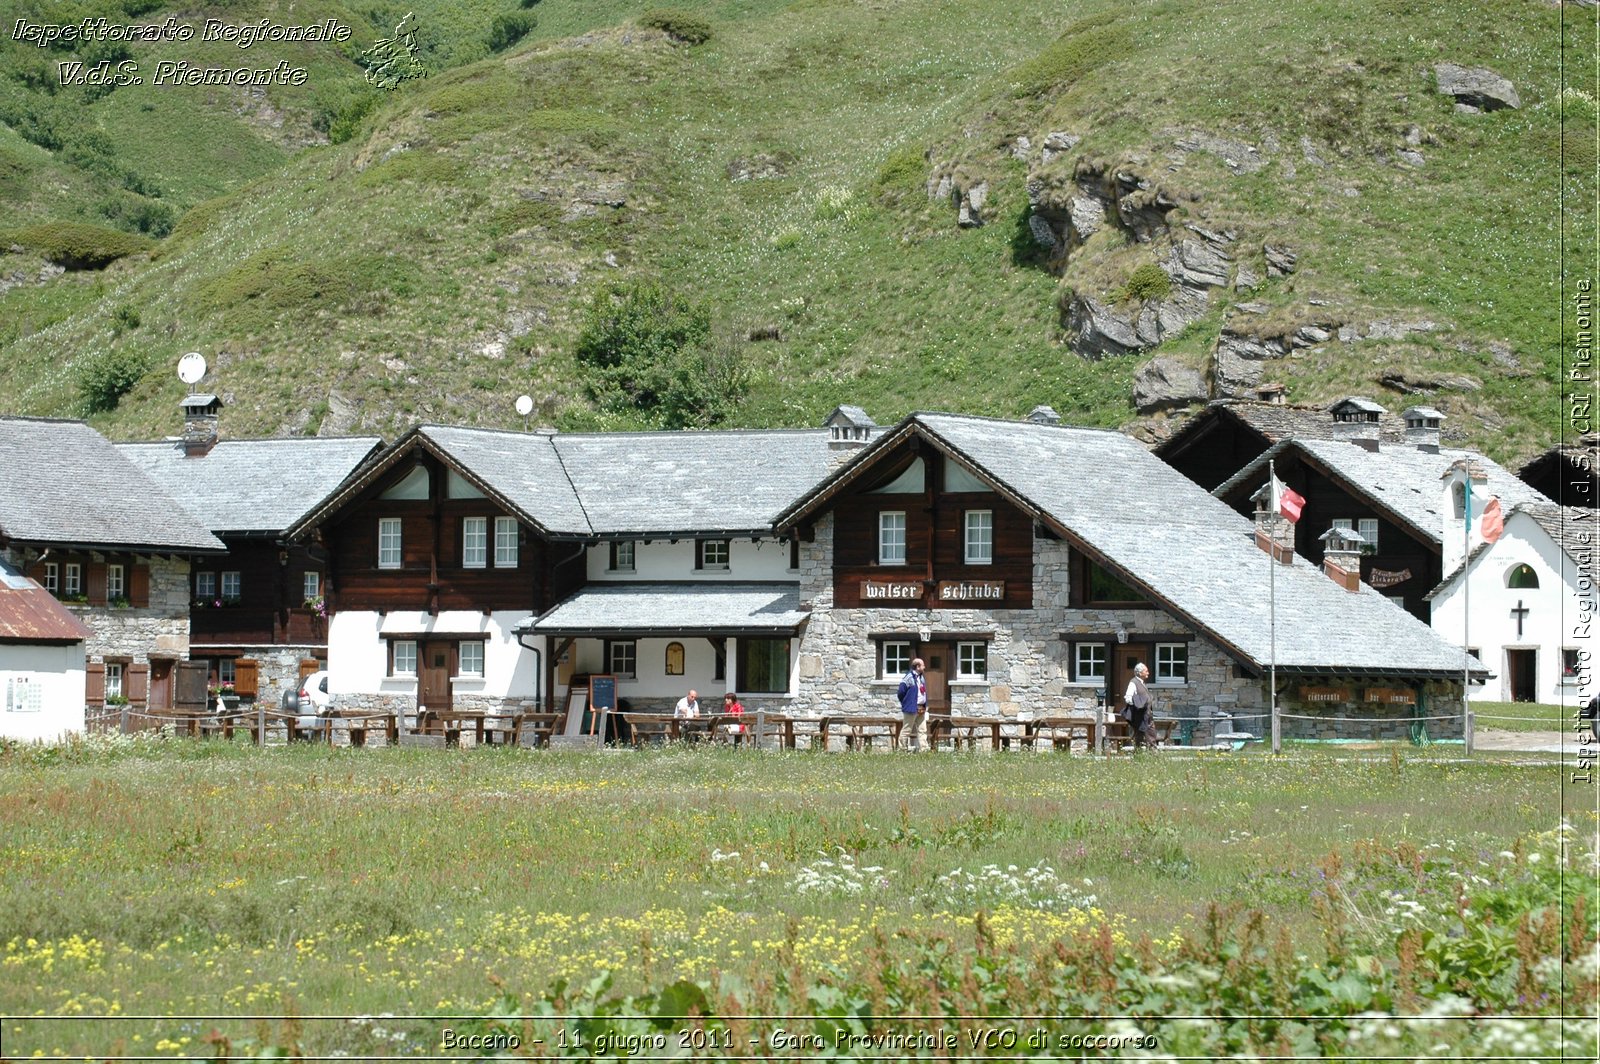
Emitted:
<point x="1273" y="393"/>
<point x="849" y="430"/>
<point x="1274" y="532"/>
<point x="200" y="414"/>
<point x="1341" y="557"/>
<point x="1044" y="415"/>
<point x="1422" y="428"/>
<point x="1356" y="420"/>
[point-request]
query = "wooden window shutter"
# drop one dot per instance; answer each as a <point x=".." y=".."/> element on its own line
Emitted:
<point x="95" y="675"/>
<point x="309" y="666"/>
<point x="95" y="583"/>
<point x="245" y="673"/>
<point x="139" y="585"/>
<point x="138" y="683"/>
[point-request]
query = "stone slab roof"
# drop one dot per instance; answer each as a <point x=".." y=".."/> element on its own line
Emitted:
<point x="522" y="468"/>
<point x="706" y="482"/>
<point x="665" y="609"/>
<point x="1191" y="551"/>
<point x="1402" y="479"/>
<point x="1571" y="528"/>
<point x="64" y="483"/>
<point x="30" y="614"/>
<point x="252" y="486"/>
<point x="1276" y="421"/>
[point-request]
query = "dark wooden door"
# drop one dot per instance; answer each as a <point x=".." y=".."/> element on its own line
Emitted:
<point x="1522" y="673"/>
<point x="160" y="684"/>
<point x="433" y="675"/>
<point x="940" y="659"/>
<point x="1124" y="656"/>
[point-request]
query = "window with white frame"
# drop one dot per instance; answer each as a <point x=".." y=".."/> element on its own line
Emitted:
<point x="894" y="657"/>
<point x="474" y="542"/>
<point x="311" y="584"/>
<point x="622" y="556"/>
<point x="713" y="553"/>
<point x="404" y="654"/>
<point x="1367" y="529"/>
<point x="1172" y="663"/>
<point x="230" y="587"/>
<point x="980" y="537"/>
<point x="72" y="580"/>
<point x="972" y="661"/>
<point x="52" y="577"/>
<point x="113" y="679"/>
<point x="388" y="543"/>
<point x="470" y="658"/>
<point x="892" y="537"/>
<point x="505" y="542"/>
<point x="622" y="657"/>
<point x="116" y="582"/>
<point x="205" y="585"/>
<point x="1571" y="662"/>
<point x="1089" y="662"/>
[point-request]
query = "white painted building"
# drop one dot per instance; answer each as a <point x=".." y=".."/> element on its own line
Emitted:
<point x="42" y="673"/>
<point x="1526" y="604"/>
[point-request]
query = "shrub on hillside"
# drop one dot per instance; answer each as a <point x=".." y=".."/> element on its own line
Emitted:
<point x="509" y="28"/>
<point x="679" y="25"/>
<point x="1148" y="282"/>
<point x="1086" y="46"/>
<point x="107" y="377"/>
<point x="76" y="245"/>
<point x="905" y="170"/>
<point x="648" y="350"/>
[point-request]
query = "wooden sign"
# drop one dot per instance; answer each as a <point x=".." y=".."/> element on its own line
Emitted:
<point x="1391" y="696"/>
<point x="1324" y="694"/>
<point x="1381" y="578"/>
<point x="890" y="590"/>
<point x="972" y="590"/>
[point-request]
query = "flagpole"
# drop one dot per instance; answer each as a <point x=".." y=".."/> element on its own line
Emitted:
<point x="1466" y="608"/>
<point x="1272" y="603"/>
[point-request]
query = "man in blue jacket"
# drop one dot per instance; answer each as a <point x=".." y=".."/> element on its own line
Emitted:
<point x="913" y="695"/>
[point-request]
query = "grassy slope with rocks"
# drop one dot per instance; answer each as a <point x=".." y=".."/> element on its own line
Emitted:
<point x="440" y="261"/>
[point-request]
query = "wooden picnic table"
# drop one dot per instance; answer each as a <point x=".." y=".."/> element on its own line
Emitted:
<point x="860" y="729"/>
<point x="451" y="722"/>
<point x="1060" y="732"/>
<point x="966" y="730"/>
<point x="1118" y="737"/>
<point x="509" y="728"/>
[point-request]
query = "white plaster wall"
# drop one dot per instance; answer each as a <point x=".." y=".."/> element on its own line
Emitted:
<point x="1556" y="615"/>
<point x="358" y="658"/>
<point x="766" y="559"/>
<point x="60" y="671"/>
<point x="651" y="684"/>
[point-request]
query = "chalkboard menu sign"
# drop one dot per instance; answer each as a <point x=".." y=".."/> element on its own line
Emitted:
<point x="602" y="693"/>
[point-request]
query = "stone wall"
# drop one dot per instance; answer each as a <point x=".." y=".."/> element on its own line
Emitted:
<point x="1360" y="720"/>
<point x="1029" y="670"/>
<point x="135" y="633"/>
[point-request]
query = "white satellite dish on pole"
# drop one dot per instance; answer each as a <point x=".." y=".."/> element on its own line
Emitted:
<point x="524" y="405"/>
<point x="192" y="367"/>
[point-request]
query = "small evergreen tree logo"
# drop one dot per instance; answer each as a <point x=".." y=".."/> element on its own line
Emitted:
<point x="393" y="60"/>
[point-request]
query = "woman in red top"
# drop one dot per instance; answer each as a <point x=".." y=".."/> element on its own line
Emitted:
<point x="731" y="706"/>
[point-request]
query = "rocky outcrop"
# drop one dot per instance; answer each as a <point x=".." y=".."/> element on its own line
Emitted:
<point x="1476" y="88"/>
<point x="1238" y="362"/>
<point x="969" y="196"/>
<point x="1165" y="384"/>
<point x="1098" y="330"/>
<point x="1385" y="329"/>
<point x="1408" y="384"/>
<point x="1280" y="260"/>
<point x="1237" y="156"/>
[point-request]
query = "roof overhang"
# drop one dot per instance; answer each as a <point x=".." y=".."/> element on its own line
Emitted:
<point x="444" y="623"/>
<point x="617" y="611"/>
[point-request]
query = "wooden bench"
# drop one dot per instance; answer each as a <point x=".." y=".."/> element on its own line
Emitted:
<point x="451" y="722"/>
<point x="1061" y="732"/>
<point x="862" y="730"/>
<point x="649" y="727"/>
<point x="1119" y="737"/>
<point x="969" y="730"/>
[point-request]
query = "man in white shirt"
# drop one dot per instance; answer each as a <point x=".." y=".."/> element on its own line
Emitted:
<point x="1136" y="708"/>
<point x="688" y="706"/>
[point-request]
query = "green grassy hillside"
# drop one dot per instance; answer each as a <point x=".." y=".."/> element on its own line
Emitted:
<point x="443" y="257"/>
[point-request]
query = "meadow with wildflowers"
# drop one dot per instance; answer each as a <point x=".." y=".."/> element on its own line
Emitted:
<point x="143" y="877"/>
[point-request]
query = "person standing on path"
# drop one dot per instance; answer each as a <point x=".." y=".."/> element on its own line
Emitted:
<point x="913" y="695"/>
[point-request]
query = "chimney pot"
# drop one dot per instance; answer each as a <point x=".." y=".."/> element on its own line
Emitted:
<point x="1275" y="535"/>
<point x="200" y="416"/>
<point x="1044" y="415"/>
<point x="1422" y="428"/>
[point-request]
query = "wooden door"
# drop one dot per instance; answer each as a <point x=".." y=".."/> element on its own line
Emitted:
<point x="1124" y="656"/>
<point x="433" y="675"/>
<point x="1522" y="673"/>
<point x="160" y="684"/>
<point x="940" y="658"/>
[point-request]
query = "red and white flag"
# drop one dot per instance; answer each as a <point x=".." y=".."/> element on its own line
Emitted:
<point x="1287" y="501"/>
<point x="1492" y="523"/>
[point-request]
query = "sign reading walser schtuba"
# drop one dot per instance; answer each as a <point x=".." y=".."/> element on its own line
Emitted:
<point x="944" y="591"/>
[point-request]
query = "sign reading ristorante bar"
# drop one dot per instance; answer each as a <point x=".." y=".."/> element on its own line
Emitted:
<point x="1388" y="577"/>
<point x="881" y="590"/>
<point x="972" y="590"/>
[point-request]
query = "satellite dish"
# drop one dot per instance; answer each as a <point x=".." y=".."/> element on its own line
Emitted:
<point x="524" y="405"/>
<point x="191" y="367"/>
